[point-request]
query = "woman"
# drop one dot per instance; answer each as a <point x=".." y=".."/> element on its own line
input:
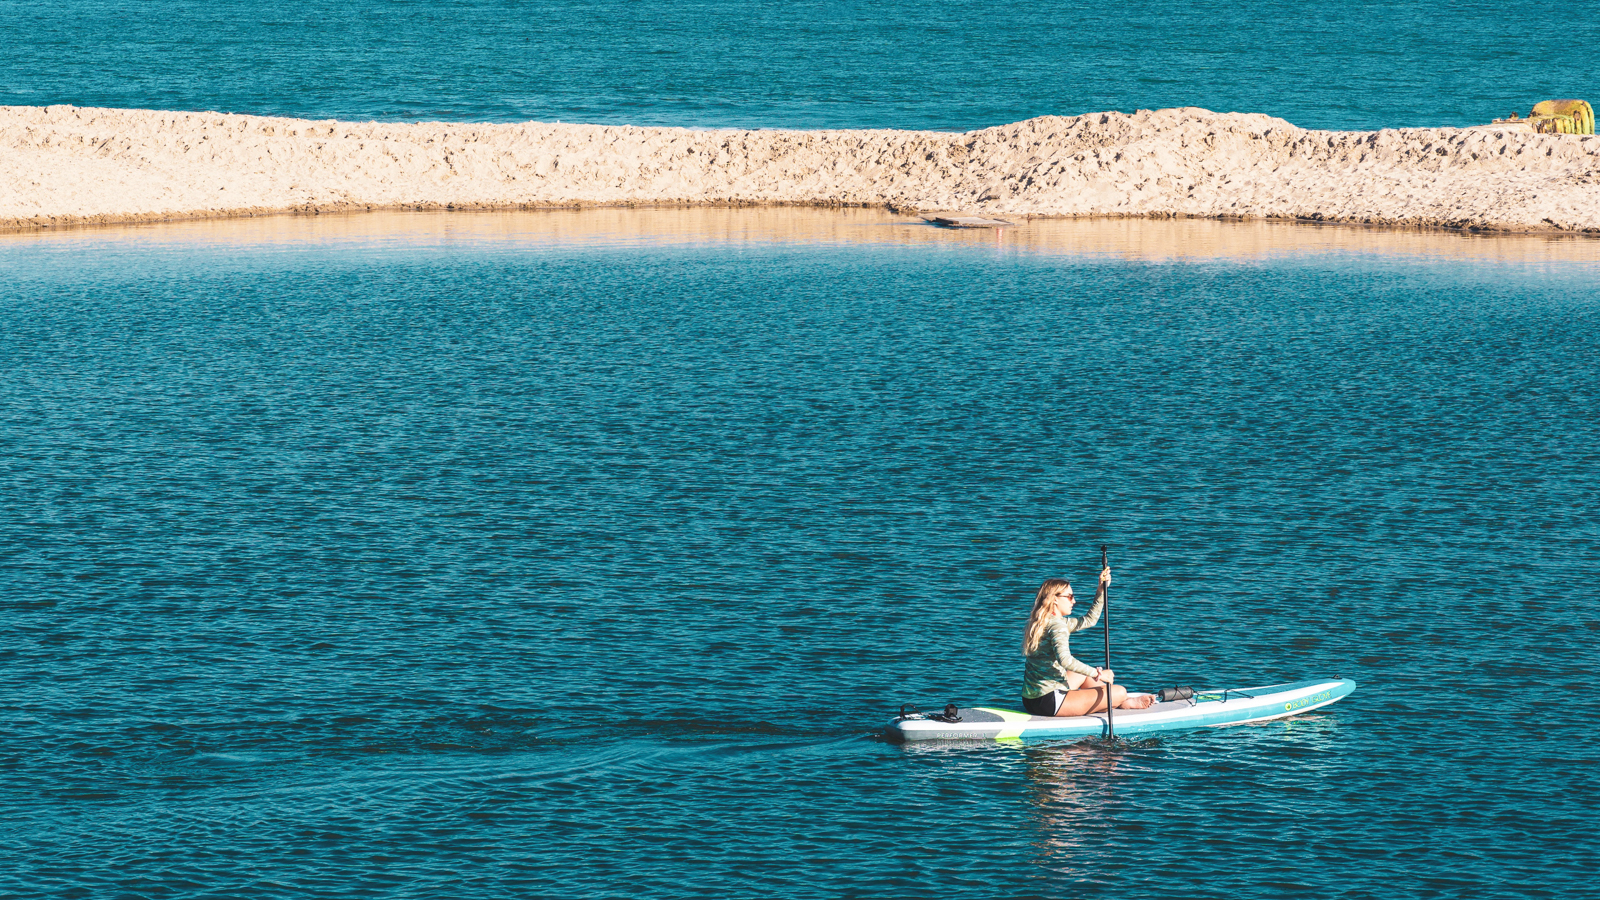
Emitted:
<point x="1056" y="684"/>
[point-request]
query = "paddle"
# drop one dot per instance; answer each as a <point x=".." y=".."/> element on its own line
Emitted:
<point x="1105" y="613"/>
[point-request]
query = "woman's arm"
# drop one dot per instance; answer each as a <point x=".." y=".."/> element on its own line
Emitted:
<point x="1064" y="658"/>
<point x="1076" y="624"/>
<point x="1073" y="664"/>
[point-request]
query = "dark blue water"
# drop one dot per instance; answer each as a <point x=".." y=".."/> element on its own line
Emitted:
<point x="473" y="572"/>
<point x="941" y="64"/>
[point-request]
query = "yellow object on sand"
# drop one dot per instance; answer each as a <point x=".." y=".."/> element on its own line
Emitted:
<point x="1563" y="117"/>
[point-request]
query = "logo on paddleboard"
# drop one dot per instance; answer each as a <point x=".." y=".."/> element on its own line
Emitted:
<point x="1303" y="702"/>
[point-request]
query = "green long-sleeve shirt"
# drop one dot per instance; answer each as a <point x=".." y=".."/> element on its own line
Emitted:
<point x="1050" y="662"/>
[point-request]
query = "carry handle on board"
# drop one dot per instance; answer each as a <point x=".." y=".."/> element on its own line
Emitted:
<point x="1105" y="612"/>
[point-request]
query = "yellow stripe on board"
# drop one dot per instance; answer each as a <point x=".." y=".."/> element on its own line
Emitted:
<point x="1015" y="722"/>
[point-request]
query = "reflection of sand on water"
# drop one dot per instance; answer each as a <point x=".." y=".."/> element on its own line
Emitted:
<point x="1134" y="239"/>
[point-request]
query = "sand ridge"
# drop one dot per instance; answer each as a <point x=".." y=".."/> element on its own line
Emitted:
<point x="68" y="165"/>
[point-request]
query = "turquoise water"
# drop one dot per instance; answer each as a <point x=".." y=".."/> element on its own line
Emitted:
<point x="590" y="565"/>
<point x="940" y="64"/>
<point x="452" y="568"/>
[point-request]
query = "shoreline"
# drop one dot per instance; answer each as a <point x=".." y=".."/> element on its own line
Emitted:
<point x="69" y="167"/>
<point x="1131" y="238"/>
<point x="85" y="223"/>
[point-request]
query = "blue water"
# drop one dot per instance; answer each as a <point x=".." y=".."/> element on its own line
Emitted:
<point x="459" y="570"/>
<point x="941" y="64"/>
<point x="463" y="570"/>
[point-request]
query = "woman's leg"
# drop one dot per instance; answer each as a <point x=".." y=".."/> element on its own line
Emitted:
<point x="1091" y="698"/>
<point x="1125" y="700"/>
<point x="1083" y="701"/>
<point x="1120" y="698"/>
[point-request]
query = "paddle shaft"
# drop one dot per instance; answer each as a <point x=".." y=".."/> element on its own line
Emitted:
<point x="1105" y="613"/>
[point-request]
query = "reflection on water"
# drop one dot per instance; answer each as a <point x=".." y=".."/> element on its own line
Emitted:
<point x="1069" y="789"/>
<point x="1148" y="239"/>
<point x="1084" y="796"/>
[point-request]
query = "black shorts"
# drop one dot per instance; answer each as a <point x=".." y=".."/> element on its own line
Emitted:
<point x="1044" y="704"/>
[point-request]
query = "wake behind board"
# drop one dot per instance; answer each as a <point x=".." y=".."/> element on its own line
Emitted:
<point x="1208" y="709"/>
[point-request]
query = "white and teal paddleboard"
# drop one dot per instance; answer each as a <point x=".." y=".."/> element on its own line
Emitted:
<point x="1207" y="709"/>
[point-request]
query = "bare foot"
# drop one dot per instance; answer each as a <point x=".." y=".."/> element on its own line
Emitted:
<point x="1138" y="701"/>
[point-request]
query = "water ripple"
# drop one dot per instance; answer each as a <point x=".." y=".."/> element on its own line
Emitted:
<point x="593" y="571"/>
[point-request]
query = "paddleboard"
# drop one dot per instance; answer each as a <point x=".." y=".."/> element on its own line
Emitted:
<point x="1207" y="709"/>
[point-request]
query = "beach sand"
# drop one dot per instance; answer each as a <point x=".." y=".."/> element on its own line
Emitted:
<point x="63" y="165"/>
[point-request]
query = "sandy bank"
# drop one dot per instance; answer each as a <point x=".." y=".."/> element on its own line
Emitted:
<point x="68" y="165"/>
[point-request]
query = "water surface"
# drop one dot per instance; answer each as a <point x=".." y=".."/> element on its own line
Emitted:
<point x="568" y="554"/>
<point x="948" y="65"/>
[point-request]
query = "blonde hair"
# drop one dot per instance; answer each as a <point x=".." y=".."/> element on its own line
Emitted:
<point x="1045" y="608"/>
